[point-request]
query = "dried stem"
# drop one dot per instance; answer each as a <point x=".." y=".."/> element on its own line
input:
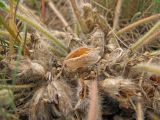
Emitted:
<point x="59" y="15"/>
<point x="78" y="16"/>
<point x="139" y="22"/>
<point x="139" y="108"/>
<point x="16" y="86"/>
<point x="147" y="37"/>
<point x="117" y="14"/>
<point x="93" y="110"/>
<point x="148" y="68"/>
<point x="43" y="11"/>
<point x="44" y="32"/>
<point x="31" y="22"/>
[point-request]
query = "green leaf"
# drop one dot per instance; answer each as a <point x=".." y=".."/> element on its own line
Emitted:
<point x="2" y="4"/>
<point x="158" y="1"/>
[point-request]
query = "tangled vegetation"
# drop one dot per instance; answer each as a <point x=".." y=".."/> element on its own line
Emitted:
<point x="80" y="59"/>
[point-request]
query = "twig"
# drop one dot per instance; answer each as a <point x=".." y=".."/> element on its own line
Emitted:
<point x="139" y="22"/>
<point x="117" y="14"/>
<point x="147" y="37"/>
<point x="43" y="9"/>
<point x="59" y="15"/>
<point x="93" y="110"/>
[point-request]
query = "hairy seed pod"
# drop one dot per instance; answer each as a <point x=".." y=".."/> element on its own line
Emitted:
<point x="119" y="89"/>
<point x="81" y="58"/>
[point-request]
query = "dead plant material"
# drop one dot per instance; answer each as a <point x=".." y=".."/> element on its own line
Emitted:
<point x="6" y="97"/>
<point x="94" y="110"/>
<point x="142" y="21"/>
<point x="52" y="102"/>
<point x="98" y="81"/>
<point x="81" y="57"/>
<point x="120" y="89"/>
<point x="155" y="78"/>
<point x="26" y="67"/>
<point x="117" y="14"/>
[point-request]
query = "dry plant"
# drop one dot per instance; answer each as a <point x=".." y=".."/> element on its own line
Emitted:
<point x="79" y="60"/>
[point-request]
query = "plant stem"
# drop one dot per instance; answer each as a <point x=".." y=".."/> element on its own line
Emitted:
<point x="78" y="16"/>
<point x="94" y="108"/>
<point x="148" y="68"/>
<point x="59" y="15"/>
<point x="146" y="37"/>
<point x="117" y="14"/>
<point x="139" y="22"/>
<point x="43" y="31"/>
<point x="43" y="11"/>
<point x="31" y="22"/>
<point x="16" y="86"/>
<point x="139" y="111"/>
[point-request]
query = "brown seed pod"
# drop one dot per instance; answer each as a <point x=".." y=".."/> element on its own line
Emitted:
<point x="81" y="58"/>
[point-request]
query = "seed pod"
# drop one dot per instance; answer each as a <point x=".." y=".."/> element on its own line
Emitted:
<point x="120" y="89"/>
<point x="81" y="58"/>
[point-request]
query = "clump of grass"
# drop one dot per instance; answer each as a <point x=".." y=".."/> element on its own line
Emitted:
<point x="34" y="70"/>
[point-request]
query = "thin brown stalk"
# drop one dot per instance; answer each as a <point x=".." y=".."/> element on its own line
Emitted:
<point x="93" y="110"/>
<point x="151" y="34"/>
<point x="117" y="14"/>
<point x="137" y="23"/>
<point x="78" y="16"/>
<point x="139" y="108"/>
<point x="43" y="9"/>
<point x="59" y="15"/>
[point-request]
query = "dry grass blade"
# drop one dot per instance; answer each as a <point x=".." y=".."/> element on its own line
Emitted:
<point x="59" y="15"/>
<point x="14" y="34"/>
<point x="146" y="37"/>
<point x="137" y="23"/>
<point x="13" y="87"/>
<point x="148" y="68"/>
<point x="44" y="32"/>
<point x="32" y="22"/>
